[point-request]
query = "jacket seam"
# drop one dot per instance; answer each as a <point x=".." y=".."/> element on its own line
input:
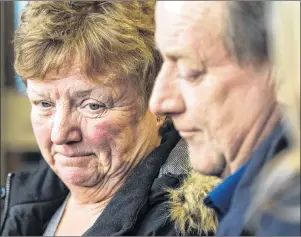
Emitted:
<point x="37" y="202"/>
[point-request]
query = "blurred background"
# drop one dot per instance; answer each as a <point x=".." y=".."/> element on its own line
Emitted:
<point x="19" y="150"/>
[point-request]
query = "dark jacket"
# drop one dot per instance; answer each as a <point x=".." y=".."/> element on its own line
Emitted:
<point x="234" y="223"/>
<point x="140" y="207"/>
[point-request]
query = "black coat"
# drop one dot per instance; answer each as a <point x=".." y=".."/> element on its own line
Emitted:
<point x="139" y="207"/>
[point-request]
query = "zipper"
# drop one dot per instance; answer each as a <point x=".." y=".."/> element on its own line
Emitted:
<point x="6" y="201"/>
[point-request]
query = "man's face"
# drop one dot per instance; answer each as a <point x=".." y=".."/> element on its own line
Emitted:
<point x="212" y="100"/>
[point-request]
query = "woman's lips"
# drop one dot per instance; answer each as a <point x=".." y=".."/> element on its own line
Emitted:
<point x="77" y="156"/>
<point x="74" y="160"/>
<point x="72" y="154"/>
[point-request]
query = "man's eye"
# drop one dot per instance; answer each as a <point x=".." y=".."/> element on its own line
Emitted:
<point x="193" y="75"/>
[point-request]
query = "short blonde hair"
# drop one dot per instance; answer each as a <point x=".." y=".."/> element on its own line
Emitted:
<point x="108" y="37"/>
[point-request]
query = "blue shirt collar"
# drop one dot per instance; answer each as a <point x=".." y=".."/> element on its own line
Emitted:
<point x="220" y="197"/>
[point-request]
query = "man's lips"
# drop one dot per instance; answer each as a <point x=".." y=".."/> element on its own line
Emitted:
<point x="187" y="133"/>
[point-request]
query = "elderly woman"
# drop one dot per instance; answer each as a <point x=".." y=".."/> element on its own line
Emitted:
<point x="89" y="68"/>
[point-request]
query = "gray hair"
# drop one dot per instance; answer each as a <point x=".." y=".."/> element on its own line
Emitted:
<point x="245" y="32"/>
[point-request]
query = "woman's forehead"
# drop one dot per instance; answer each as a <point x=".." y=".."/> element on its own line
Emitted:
<point x="65" y="71"/>
<point x="75" y="67"/>
<point x="74" y="86"/>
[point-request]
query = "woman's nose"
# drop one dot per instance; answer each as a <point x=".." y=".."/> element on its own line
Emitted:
<point x="166" y="96"/>
<point x="65" y="129"/>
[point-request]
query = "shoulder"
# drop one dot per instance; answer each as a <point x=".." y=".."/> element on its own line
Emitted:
<point x="176" y="206"/>
<point x="3" y="194"/>
<point x="187" y="208"/>
<point x="283" y="217"/>
<point x="272" y="226"/>
<point x="156" y="220"/>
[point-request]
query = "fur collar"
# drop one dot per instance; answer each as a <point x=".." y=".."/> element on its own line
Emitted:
<point x="187" y="209"/>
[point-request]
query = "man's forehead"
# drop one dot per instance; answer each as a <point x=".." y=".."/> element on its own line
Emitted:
<point x="172" y="7"/>
<point x="193" y="9"/>
<point x="184" y="26"/>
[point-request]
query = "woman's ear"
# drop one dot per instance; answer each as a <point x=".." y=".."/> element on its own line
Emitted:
<point x="160" y="120"/>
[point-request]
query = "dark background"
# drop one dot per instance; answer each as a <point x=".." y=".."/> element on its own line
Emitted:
<point x="19" y="150"/>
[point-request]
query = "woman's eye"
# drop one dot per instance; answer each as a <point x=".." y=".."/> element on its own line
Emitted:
<point x="42" y="104"/>
<point x="45" y="104"/>
<point x="94" y="106"/>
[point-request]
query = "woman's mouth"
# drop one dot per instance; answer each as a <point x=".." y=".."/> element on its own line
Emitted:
<point x="73" y="160"/>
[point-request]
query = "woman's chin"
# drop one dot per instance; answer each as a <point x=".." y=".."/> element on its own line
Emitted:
<point x="76" y="176"/>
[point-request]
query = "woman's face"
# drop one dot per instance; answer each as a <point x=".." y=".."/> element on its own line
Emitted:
<point x="88" y="131"/>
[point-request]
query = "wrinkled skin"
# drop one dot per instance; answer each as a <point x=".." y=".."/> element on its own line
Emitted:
<point x="90" y="134"/>
<point x="222" y="109"/>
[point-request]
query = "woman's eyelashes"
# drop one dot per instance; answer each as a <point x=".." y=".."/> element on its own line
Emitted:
<point x="93" y="107"/>
<point x="42" y="104"/>
<point x="87" y="107"/>
<point x="43" y="107"/>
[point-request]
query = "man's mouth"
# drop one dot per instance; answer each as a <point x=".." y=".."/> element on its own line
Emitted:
<point x="188" y="133"/>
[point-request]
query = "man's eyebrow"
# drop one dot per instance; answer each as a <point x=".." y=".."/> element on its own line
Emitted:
<point x="173" y="53"/>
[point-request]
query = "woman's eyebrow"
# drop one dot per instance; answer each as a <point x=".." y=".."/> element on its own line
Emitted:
<point x="82" y="93"/>
<point x="35" y="92"/>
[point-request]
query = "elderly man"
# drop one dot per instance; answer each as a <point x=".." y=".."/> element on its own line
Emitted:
<point x="217" y="85"/>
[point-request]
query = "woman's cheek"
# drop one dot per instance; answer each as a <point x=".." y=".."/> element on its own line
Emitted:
<point x="41" y="127"/>
<point x="42" y="132"/>
<point x="104" y="133"/>
<point x="38" y="124"/>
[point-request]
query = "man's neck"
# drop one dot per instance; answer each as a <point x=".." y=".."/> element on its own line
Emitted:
<point x="258" y="132"/>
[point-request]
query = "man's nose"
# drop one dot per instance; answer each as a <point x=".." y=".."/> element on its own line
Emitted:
<point x="166" y="97"/>
<point x="64" y="128"/>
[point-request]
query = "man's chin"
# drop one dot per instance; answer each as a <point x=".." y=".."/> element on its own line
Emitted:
<point x="207" y="162"/>
<point x="206" y="169"/>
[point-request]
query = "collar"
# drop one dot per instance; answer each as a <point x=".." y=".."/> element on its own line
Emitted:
<point x="40" y="188"/>
<point x="220" y="197"/>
